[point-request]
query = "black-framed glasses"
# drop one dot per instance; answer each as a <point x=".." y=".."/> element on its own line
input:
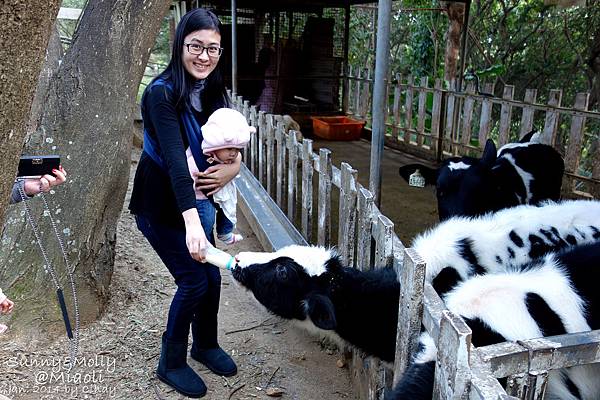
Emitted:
<point x="197" y="49"/>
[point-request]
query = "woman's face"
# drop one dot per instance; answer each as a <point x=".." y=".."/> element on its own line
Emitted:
<point x="200" y="66"/>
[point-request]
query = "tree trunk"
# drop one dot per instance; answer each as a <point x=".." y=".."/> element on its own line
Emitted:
<point x="24" y="33"/>
<point x="86" y="118"/>
<point x="456" y="14"/>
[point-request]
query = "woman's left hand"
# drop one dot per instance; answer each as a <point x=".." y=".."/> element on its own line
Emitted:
<point x="217" y="176"/>
<point x="46" y="182"/>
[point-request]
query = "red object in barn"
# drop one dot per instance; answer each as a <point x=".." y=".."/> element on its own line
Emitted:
<point x="337" y="128"/>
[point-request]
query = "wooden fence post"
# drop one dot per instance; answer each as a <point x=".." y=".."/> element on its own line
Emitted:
<point x="253" y="140"/>
<point x="281" y="143"/>
<point x="528" y="112"/>
<point x="408" y="108"/>
<point x="396" y="107"/>
<point x="270" y="158"/>
<point x="436" y="115"/>
<point x="469" y="106"/>
<point x="307" y="188"/>
<point x="552" y="117"/>
<point x="421" y="111"/>
<point x="505" y="116"/>
<point x="324" y="218"/>
<point x="347" y="214"/>
<point x="410" y="310"/>
<point x="292" y="177"/>
<point x="486" y="116"/>
<point x="364" y="234"/>
<point x="573" y="152"/>
<point x="452" y="372"/>
<point x="262" y="133"/>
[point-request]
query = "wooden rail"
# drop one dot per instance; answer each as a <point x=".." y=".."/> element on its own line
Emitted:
<point x="366" y="239"/>
<point x="437" y="122"/>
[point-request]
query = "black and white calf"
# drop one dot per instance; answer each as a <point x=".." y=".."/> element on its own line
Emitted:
<point x="462" y="247"/>
<point x="519" y="173"/>
<point x="309" y="285"/>
<point x="550" y="296"/>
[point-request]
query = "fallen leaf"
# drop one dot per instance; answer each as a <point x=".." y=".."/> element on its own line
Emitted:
<point x="340" y="363"/>
<point x="274" y="392"/>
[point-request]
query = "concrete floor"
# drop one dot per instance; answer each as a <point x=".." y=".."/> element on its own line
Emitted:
<point x="411" y="209"/>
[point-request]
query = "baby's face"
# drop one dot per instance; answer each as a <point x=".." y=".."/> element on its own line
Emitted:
<point x="227" y="156"/>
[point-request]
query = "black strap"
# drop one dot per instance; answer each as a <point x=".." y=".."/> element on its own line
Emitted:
<point x="65" y="314"/>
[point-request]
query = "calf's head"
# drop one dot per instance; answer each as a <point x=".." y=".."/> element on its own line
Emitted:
<point x="287" y="288"/>
<point x="464" y="185"/>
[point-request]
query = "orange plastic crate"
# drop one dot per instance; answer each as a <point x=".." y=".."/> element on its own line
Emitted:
<point x="337" y="128"/>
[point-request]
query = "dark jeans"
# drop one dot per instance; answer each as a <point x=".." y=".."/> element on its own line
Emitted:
<point x="196" y="300"/>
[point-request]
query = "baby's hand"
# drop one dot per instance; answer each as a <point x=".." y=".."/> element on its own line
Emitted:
<point x="6" y="306"/>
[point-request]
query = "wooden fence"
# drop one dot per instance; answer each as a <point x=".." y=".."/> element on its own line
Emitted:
<point x="305" y="185"/>
<point x="435" y="122"/>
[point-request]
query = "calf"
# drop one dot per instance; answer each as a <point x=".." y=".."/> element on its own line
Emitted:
<point x="309" y="285"/>
<point x="461" y="247"/>
<point x="520" y="173"/>
<point x="550" y="296"/>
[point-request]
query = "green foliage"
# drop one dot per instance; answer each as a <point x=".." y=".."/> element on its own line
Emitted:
<point x="519" y="42"/>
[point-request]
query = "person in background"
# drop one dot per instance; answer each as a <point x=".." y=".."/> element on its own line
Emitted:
<point x="224" y="134"/>
<point x="31" y="187"/>
<point x="174" y="107"/>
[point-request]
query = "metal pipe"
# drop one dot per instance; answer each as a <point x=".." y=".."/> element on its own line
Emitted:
<point x="346" y="51"/>
<point x="382" y="56"/>
<point x="234" y="47"/>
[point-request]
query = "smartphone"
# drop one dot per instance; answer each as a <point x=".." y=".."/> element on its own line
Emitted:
<point x="36" y="166"/>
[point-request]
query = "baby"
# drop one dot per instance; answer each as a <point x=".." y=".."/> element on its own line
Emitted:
<point x="6" y="307"/>
<point x="223" y="135"/>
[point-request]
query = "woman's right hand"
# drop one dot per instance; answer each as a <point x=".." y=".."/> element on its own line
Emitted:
<point x="195" y="238"/>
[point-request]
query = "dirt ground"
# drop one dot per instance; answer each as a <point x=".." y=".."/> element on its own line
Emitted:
<point x="120" y="350"/>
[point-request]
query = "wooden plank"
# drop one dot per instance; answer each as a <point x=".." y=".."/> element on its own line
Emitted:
<point x="292" y="176"/>
<point x="324" y="210"/>
<point x="262" y="133"/>
<point x="307" y="188"/>
<point x="347" y="214"/>
<point x="383" y="242"/>
<point x="452" y="373"/>
<point x="552" y="117"/>
<point x="528" y="112"/>
<point x="408" y="108"/>
<point x="410" y="310"/>
<point x="280" y="144"/>
<point x="253" y="141"/>
<point x="450" y="105"/>
<point x="396" y="108"/>
<point x="433" y="306"/>
<point x="270" y="160"/>
<point x="436" y="115"/>
<point x="485" y="120"/>
<point x="366" y="94"/>
<point x="421" y="111"/>
<point x="574" y="146"/>
<point x="483" y="384"/>
<point x="364" y="234"/>
<point x="505" y="116"/>
<point x="350" y="109"/>
<point x="467" y="117"/>
<point x="357" y="106"/>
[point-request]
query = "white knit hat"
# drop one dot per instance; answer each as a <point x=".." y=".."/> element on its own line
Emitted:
<point x="225" y="128"/>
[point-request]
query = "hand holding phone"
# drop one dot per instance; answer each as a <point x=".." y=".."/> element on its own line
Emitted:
<point x="37" y="166"/>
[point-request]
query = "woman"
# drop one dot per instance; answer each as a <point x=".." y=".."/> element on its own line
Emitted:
<point x="174" y="107"/>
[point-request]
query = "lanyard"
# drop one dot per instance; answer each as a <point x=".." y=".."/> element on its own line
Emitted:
<point x="73" y="338"/>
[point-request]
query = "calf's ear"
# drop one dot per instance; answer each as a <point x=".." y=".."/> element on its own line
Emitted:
<point x="321" y="311"/>
<point x="488" y="158"/>
<point x="430" y="174"/>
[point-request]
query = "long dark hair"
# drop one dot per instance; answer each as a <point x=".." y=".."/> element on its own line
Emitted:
<point x="214" y="95"/>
